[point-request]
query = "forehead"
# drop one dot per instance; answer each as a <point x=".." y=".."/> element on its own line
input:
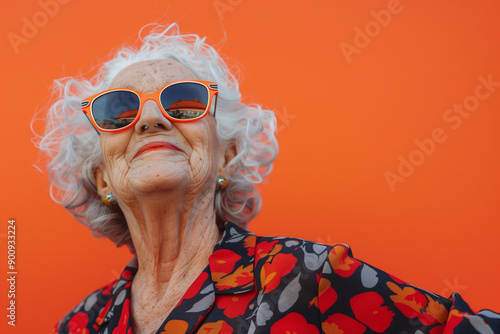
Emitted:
<point x="149" y="76"/>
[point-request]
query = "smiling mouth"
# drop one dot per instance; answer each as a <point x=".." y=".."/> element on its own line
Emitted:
<point x="157" y="145"/>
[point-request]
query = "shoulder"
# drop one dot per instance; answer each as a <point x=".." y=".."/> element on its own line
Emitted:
<point x="312" y="256"/>
<point x="87" y="311"/>
<point x="284" y="252"/>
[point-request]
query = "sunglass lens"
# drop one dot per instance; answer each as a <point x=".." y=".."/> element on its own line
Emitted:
<point x="185" y="100"/>
<point x="115" y="110"/>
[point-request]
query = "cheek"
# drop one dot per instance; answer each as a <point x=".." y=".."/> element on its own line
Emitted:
<point x="114" y="147"/>
<point x="205" y="157"/>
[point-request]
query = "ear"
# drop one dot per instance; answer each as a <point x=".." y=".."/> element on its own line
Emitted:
<point x="102" y="181"/>
<point x="229" y="155"/>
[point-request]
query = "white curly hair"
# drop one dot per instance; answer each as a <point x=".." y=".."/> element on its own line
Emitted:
<point x="72" y="148"/>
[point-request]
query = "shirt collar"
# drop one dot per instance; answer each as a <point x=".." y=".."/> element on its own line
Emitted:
<point x="232" y="262"/>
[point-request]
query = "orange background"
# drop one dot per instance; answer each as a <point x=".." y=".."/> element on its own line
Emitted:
<point x="342" y="125"/>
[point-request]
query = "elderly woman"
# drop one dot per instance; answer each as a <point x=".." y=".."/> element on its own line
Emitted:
<point x="164" y="159"/>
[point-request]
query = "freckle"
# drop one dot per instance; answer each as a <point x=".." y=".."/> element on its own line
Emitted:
<point x="157" y="175"/>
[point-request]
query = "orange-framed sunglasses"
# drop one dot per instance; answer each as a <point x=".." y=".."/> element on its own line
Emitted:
<point x="118" y="109"/>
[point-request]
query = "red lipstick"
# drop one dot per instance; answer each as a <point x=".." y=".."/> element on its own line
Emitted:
<point x="156" y="145"/>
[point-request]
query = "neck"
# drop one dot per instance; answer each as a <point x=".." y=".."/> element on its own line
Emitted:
<point x="173" y="237"/>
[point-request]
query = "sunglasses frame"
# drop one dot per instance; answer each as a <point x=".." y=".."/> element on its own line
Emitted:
<point x="211" y="87"/>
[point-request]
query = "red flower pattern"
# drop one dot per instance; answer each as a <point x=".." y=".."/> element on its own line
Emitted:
<point x="342" y="263"/>
<point x="339" y="323"/>
<point x="78" y="323"/>
<point x="263" y="249"/>
<point x="234" y="305"/>
<point x="293" y="323"/>
<point x="327" y="296"/>
<point x="368" y="309"/>
<point x="272" y="272"/>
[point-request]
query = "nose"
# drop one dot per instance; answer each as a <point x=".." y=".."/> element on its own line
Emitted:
<point x="152" y="118"/>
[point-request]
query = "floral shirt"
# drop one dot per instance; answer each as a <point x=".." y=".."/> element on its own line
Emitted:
<point x="285" y="285"/>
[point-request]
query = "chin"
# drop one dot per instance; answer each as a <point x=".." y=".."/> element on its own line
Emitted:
<point x="150" y="179"/>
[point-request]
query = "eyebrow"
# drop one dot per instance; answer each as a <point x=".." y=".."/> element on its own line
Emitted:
<point x="133" y="87"/>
